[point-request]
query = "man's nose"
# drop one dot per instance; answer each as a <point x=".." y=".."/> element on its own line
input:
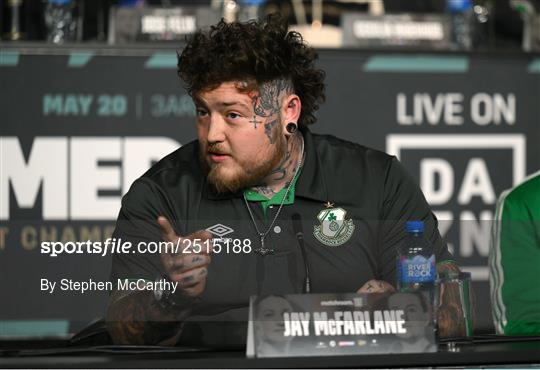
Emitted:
<point x="216" y="130"/>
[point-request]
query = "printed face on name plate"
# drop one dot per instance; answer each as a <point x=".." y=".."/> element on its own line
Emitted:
<point x="414" y="314"/>
<point x="270" y="318"/>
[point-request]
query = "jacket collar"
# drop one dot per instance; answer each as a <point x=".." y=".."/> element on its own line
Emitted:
<point x="311" y="183"/>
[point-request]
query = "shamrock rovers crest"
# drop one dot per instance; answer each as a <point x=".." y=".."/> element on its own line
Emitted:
<point x="334" y="229"/>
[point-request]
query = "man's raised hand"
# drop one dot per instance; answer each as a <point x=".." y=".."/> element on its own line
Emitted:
<point x="188" y="269"/>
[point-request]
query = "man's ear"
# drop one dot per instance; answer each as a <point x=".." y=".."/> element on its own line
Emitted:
<point x="290" y="110"/>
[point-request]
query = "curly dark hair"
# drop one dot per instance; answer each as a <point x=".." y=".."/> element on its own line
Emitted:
<point x="259" y="52"/>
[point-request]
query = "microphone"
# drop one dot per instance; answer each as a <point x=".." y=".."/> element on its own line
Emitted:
<point x="298" y="230"/>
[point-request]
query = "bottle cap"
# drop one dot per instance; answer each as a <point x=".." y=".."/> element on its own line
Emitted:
<point x="60" y="2"/>
<point x="414" y="226"/>
<point x="254" y="2"/>
<point x="458" y="6"/>
<point x="130" y="3"/>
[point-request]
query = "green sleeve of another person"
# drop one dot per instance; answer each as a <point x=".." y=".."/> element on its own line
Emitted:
<point x="515" y="260"/>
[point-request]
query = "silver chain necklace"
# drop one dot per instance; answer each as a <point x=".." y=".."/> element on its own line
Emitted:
<point x="263" y="251"/>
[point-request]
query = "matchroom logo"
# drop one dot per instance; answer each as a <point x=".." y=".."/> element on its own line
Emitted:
<point x="461" y="176"/>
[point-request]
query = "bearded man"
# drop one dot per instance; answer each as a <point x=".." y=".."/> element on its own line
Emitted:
<point x="254" y="168"/>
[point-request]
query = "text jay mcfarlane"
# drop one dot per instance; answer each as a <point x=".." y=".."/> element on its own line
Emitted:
<point x="90" y="285"/>
<point x="344" y="323"/>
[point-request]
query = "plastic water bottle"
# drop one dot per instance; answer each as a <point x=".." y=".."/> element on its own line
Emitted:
<point x="251" y="10"/>
<point x="15" y="10"/>
<point x="462" y="19"/>
<point x="60" y="21"/>
<point x="416" y="261"/>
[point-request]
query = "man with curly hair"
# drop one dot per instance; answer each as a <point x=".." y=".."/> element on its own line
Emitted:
<point x="254" y="168"/>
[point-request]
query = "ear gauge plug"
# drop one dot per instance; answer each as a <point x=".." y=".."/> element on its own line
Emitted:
<point x="291" y="127"/>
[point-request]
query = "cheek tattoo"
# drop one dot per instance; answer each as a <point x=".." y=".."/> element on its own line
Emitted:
<point x="254" y="121"/>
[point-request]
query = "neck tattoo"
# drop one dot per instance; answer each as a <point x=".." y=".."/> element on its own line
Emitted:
<point x="263" y="251"/>
<point x="277" y="179"/>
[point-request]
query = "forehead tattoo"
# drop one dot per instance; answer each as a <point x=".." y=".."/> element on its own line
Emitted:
<point x="267" y="103"/>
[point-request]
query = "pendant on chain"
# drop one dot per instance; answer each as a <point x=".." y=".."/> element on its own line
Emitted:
<point x="263" y="251"/>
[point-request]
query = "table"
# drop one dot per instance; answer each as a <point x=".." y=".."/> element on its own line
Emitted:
<point x="492" y="353"/>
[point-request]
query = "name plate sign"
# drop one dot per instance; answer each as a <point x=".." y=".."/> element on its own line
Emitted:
<point x="396" y="30"/>
<point x="146" y="24"/>
<point x="340" y="324"/>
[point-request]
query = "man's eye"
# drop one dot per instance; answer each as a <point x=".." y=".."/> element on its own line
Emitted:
<point x="233" y="115"/>
<point x="201" y="113"/>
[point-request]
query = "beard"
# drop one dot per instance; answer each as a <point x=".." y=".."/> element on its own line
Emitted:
<point x="243" y="174"/>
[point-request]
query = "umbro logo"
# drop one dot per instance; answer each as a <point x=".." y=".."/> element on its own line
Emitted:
<point x="220" y="230"/>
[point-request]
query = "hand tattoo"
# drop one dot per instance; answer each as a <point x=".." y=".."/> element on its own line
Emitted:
<point x="188" y="278"/>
